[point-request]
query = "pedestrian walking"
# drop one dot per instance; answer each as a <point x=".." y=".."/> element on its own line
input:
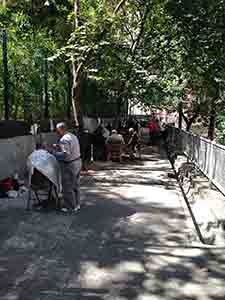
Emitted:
<point x="67" y="152"/>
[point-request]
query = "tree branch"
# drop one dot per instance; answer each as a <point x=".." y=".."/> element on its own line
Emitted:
<point x="136" y="43"/>
<point x="120" y="4"/>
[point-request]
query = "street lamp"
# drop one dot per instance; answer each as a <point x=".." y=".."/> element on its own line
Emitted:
<point x="5" y="73"/>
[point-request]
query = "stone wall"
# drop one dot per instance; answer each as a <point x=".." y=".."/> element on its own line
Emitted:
<point x="14" y="152"/>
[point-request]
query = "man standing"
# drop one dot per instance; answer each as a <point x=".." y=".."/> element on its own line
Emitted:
<point x="67" y="152"/>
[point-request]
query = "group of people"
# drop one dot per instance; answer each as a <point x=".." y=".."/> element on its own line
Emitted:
<point x="104" y="140"/>
<point x="117" y="144"/>
<point x="70" y="150"/>
<point x="73" y="151"/>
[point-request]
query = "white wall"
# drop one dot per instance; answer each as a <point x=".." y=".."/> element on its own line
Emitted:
<point x="15" y="151"/>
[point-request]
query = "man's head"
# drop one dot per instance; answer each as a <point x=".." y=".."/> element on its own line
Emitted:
<point x="114" y="131"/>
<point x="61" y="129"/>
<point x="131" y="130"/>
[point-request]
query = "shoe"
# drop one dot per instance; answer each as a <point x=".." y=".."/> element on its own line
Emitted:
<point x="77" y="208"/>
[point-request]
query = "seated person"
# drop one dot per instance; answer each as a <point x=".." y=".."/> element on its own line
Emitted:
<point x="115" y="138"/>
<point x="114" y="144"/>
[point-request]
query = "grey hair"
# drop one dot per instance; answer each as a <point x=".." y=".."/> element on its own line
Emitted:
<point x="61" y="125"/>
<point x="114" y="131"/>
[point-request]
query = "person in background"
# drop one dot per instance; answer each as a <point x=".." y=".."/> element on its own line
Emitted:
<point x="99" y="148"/>
<point x="114" y="141"/>
<point x="154" y="131"/>
<point x="115" y="138"/>
<point x="109" y="128"/>
<point x="133" y="143"/>
<point x="105" y="132"/>
<point x="67" y="152"/>
<point x="85" y="144"/>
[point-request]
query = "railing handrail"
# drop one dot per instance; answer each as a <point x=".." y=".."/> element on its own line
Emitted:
<point x="201" y="138"/>
<point x="207" y="155"/>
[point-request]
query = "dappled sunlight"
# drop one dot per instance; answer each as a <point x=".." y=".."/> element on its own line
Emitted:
<point x="92" y="276"/>
<point x="129" y="242"/>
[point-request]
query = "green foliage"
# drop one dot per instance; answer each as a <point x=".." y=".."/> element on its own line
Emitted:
<point x="220" y="132"/>
<point x="151" y="53"/>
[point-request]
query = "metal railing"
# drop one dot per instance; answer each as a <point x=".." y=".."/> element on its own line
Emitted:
<point x="208" y="156"/>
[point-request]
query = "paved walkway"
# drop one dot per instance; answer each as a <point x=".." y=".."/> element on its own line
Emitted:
<point x="130" y="242"/>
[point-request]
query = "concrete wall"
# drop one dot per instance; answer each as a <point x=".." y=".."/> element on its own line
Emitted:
<point x="14" y="152"/>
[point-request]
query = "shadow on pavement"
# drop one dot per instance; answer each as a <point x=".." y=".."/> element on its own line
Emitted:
<point x="123" y="245"/>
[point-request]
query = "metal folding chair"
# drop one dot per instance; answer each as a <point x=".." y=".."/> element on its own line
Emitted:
<point x="43" y="190"/>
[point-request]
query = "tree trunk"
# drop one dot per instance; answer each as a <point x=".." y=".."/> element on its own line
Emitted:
<point x="188" y="125"/>
<point x="27" y="115"/>
<point x="5" y="74"/>
<point x="76" y="13"/>
<point x="75" y="95"/>
<point x="76" y="72"/>
<point x="46" y="96"/>
<point x="119" y="106"/>
<point x="55" y="96"/>
<point x="68" y="89"/>
<point x="189" y="121"/>
<point x="135" y="45"/>
<point x="180" y="111"/>
<point x="212" y="120"/>
<point x="15" y="95"/>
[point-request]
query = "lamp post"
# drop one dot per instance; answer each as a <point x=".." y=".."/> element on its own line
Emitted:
<point x="45" y="77"/>
<point x="5" y="74"/>
<point x="46" y="96"/>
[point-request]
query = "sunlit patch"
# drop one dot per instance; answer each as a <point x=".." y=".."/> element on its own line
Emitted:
<point x="194" y="289"/>
<point x="215" y="288"/>
<point x="187" y="252"/>
<point x="138" y="218"/>
<point x="149" y="296"/>
<point x="130" y="266"/>
<point x="18" y="242"/>
<point x="92" y="276"/>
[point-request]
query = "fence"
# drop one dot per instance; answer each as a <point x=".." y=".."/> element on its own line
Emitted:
<point x="208" y="156"/>
<point x="14" y="152"/>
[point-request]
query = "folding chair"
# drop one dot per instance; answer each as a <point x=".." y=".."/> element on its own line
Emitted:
<point x="43" y="189"/>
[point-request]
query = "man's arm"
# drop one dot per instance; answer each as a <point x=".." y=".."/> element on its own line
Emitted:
<point x="64" y="151"/>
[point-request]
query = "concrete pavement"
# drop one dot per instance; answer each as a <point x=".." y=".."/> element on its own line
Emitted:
<point x="130" y="241"/>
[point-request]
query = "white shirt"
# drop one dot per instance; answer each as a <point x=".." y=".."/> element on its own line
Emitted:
<point x="70" y="146"/>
